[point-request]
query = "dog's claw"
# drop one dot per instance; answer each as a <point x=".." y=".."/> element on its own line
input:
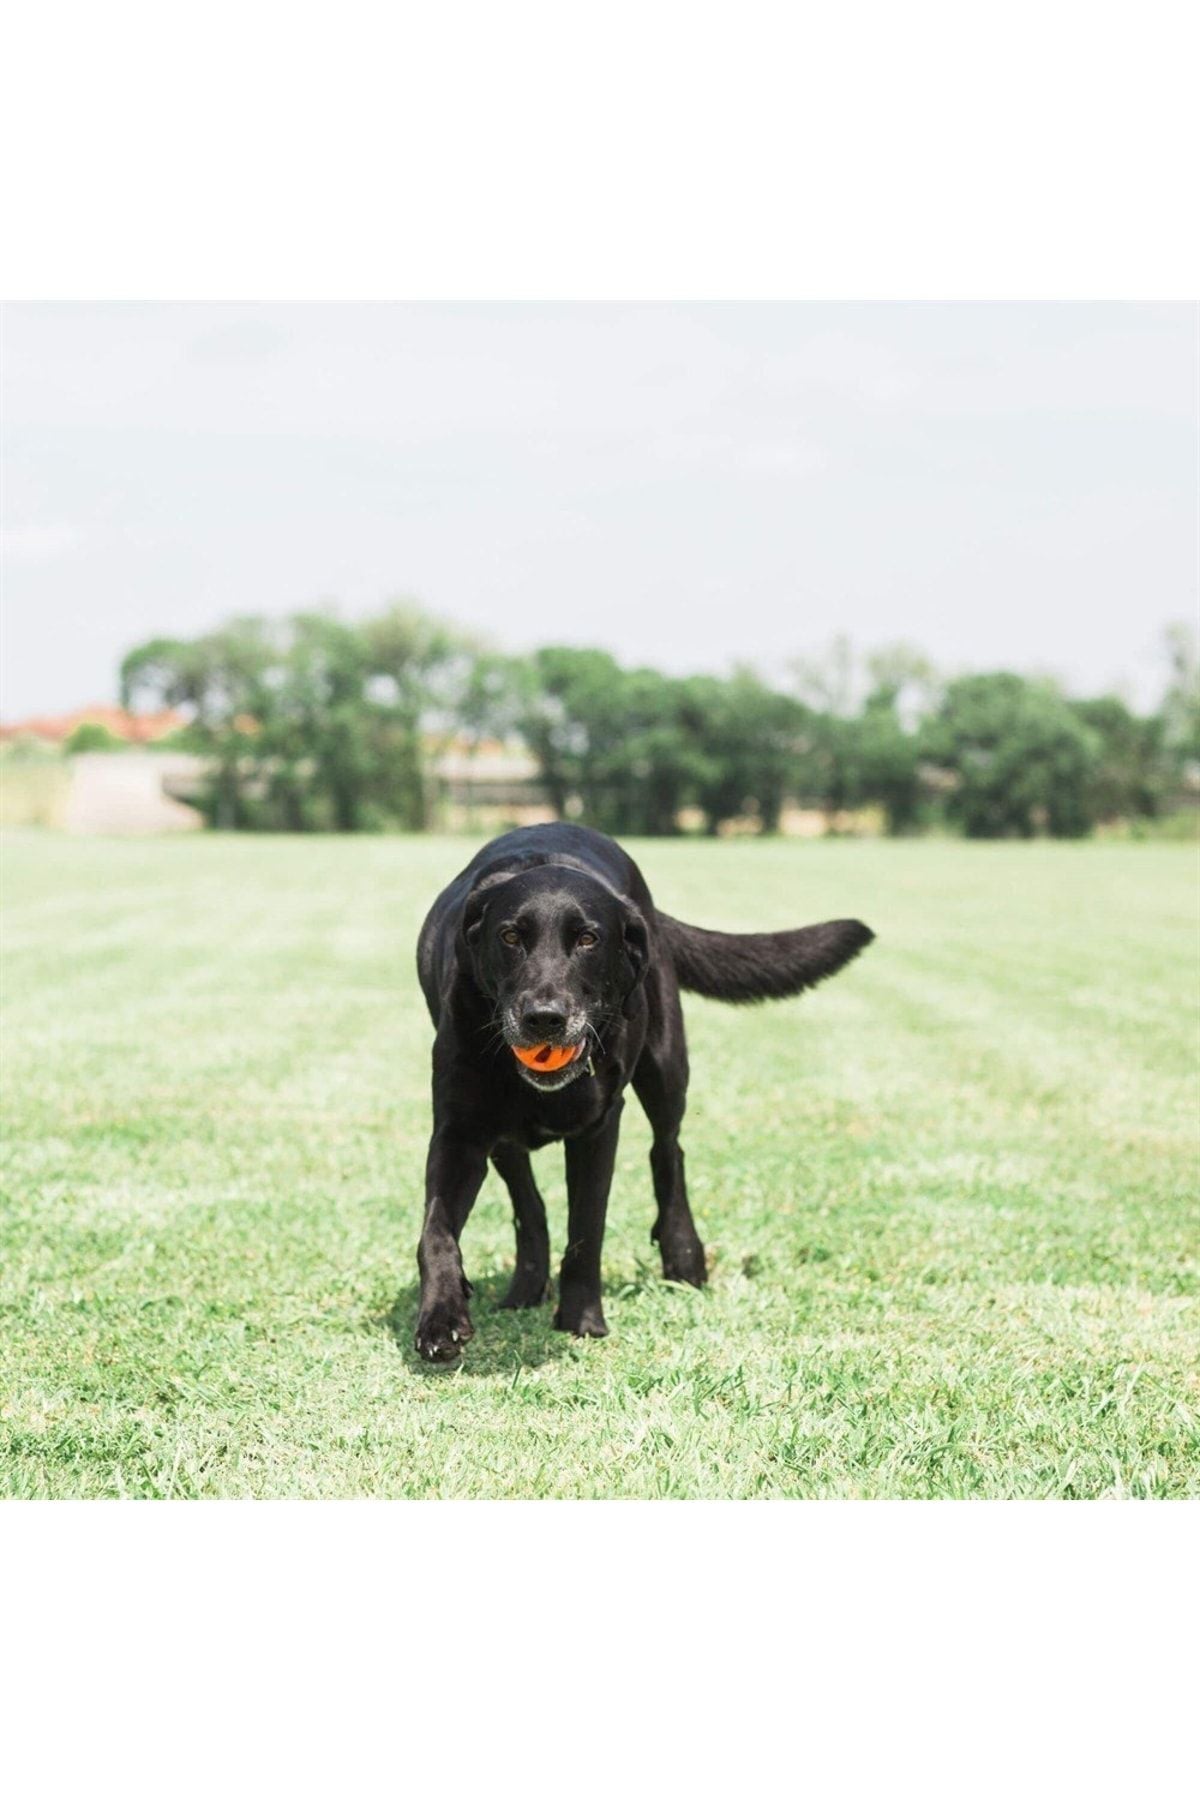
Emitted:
<point x="442" y="1333"/>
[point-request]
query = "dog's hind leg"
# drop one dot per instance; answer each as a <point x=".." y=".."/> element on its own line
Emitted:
<point x="660" y="1083"/>
<point x="531" y="1277"/>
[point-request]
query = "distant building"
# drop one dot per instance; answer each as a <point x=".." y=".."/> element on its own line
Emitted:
<point x="131" y="728"/>
<point x="477" y="786"/>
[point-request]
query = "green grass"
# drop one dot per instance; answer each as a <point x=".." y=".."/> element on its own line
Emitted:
<point x="950" y="1199"/>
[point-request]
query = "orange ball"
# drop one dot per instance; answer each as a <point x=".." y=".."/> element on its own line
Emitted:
<point x="546" y="1058"/>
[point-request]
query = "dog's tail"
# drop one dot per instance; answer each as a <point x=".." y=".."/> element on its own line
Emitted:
<point x="760" y="965"/>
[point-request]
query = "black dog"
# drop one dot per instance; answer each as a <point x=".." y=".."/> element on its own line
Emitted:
<point x="553" y="982"/>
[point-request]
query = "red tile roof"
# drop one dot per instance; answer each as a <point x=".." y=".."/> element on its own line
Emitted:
<point x="135" y="728"/>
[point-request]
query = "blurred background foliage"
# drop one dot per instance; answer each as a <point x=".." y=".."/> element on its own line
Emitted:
<point x="315" y="722"/>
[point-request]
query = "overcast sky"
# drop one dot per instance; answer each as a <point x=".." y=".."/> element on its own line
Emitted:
<point x="1008" y="486"/>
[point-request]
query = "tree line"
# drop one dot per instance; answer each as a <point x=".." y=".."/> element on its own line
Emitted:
<point x="315" y="722"/>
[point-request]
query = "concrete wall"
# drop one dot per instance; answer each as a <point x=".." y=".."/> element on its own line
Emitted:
<point x="121" y="794"/>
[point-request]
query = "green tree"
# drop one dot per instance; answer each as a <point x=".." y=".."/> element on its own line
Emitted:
<point x="312" y="722"/>
<point x="1023" y="761"/>
<point x="752" y="746"/>
<point x="884" y="762"/>
<point x="1130" y="774"/>
<point x="653" y="767"/>
<point x="623" y="742"/>
<point x="90" y="734"/>
<point x="569" y="720"/>
<point x="222" y="683"/>
<point x="494" y="696"/>
<point x="864" y="719"/>
<point x="832" y="685"/>
<point x="317" y="740"/>
<point x="418" y="668"/>
<point x="902" y="693"/>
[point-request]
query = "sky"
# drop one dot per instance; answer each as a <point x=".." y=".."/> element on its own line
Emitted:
<point x="688" y="486"/>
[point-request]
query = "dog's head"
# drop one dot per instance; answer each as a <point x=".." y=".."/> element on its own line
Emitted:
<point x="561" y="955"/>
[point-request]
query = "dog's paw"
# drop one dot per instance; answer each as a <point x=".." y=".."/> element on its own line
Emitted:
<point x="442" y="1331"/>
<point x="684" y="1261"/>
<point x="529" y="1287"/>
<point x="581" y="1320"/>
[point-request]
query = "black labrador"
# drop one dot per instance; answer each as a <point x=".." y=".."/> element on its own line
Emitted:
<point x="553" y="982"/>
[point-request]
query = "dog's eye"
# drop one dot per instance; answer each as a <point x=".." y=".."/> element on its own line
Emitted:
<point x="585" y="940"/>
<point x="509" y="936"/>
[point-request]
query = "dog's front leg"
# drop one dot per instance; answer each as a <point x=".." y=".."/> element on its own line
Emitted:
<point x="454" y="1174"/>
<point x="590" y="1159"/>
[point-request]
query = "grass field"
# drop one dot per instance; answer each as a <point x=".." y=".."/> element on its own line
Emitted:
<point x="950" y="1199"/>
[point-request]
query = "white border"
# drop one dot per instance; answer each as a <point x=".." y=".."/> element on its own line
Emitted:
<point x="944" y="1649"/>
<point x="650" y="151"/>
<point x="654" y="150"/>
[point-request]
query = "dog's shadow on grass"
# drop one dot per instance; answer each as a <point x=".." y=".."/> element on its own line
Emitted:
<point x="504" y="1340"/>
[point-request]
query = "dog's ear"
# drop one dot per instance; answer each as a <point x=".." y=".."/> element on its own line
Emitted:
<point x="474" y="913"/>
<point x="474" y="916"/>
<point x="637" y="954"/>
<point x="470" y="927"/>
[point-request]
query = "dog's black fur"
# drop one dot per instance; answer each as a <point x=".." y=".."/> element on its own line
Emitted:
<point x="550" y="936"/>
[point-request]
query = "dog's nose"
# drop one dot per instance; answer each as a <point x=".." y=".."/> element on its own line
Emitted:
<point x="543" y="1023"/>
